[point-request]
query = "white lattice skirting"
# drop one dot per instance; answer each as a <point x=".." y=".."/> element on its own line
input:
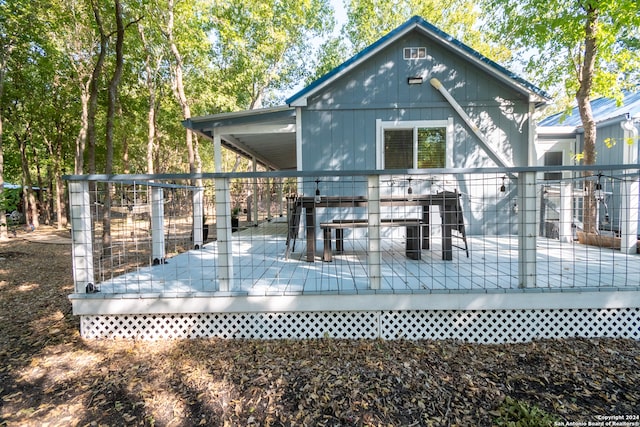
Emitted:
<point x="479" y="326"/>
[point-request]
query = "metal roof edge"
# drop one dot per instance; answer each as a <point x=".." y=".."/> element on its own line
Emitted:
<point x="605" y="110"/>
<point x="242" y="113"/>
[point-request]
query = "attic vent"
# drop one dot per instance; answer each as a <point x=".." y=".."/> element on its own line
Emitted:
<point x="415" y="52"/>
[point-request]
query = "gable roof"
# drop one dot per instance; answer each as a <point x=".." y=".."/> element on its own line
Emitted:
<point x="417" y="23"/>
<point x="604" y="110"/>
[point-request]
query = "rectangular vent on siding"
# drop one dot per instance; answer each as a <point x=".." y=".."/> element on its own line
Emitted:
<point x="415" y="52"/>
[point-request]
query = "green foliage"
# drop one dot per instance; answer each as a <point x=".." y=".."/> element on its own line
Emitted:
<point x="368" y="20"/>
<point x="611" y="142"/>
<point x="332" y="53"/>
<point x="9" y="200"/>
<point x="550" y="37"/>
<point x="265" y="46"/>
<point x="515" y="413"/>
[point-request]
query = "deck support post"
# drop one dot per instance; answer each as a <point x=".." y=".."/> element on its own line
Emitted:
<point x="198" y="217"/>
<point x="82" y="249"/>
<point x="254" y="196"/>
<point x="526" y="212"/>
<point x="374" y="254"/>
<point x="280" y="185"/>
<point x="217" y="150"/>
<point x="565" y="232"/>
<point x="268" y="191"/>
<point x="630" y="193"/>
<point x="629" y="216"/>
<point x="157" y="225"/>
<point x="224" y="237"/>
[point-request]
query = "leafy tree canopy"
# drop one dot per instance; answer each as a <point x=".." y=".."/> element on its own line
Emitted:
<point x="551" y="35"/>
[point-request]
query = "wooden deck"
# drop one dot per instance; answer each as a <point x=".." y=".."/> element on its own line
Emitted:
<point x="260" y="269"/>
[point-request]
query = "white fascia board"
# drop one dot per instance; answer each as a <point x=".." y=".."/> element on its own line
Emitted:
<point x="255" y="129"/>
<point x="204" y="303"/>
<point x="555" y="130"/>
<point x="236" y="114"/>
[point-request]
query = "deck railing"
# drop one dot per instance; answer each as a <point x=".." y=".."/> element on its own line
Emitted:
<point x="522" y="231"/>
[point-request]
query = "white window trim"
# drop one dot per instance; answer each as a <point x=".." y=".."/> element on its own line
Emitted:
<point x="381" y="126"/>
<point x="564" y="145"/>
<point x="417" y="49"/>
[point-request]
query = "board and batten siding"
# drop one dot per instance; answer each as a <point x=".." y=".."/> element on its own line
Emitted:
<point x="339" y="121"/>
<point x="339" y="131"/>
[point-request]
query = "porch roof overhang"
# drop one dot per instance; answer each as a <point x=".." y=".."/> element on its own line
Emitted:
<point x="267" y="134"/>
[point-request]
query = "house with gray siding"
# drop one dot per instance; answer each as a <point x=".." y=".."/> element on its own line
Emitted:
<point x="415" y="99"/>
<point x="396" y="84"/>
<point x="413" y="141"/>
<point x="560" y="140"/>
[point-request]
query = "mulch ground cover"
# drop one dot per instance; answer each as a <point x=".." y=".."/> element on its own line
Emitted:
<point x="50" y="376"/>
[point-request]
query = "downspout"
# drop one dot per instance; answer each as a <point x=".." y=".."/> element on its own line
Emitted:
<point x="299" y="146"/>
<point x="630" y="189"/>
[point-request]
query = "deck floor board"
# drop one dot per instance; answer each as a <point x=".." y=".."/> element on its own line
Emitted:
<point x="260" y="267"/>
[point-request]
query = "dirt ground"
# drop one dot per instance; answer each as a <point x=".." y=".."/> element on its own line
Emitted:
<point x="50" y="376"/>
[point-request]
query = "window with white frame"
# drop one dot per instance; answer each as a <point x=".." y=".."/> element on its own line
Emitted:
<point x="413" y="145"/>
<point x="414" y="53"/>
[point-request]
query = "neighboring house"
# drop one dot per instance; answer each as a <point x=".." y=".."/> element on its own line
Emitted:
<point x="415" y="99"/>
<point x="560" y="136"/>
<point x="561" y="140"/>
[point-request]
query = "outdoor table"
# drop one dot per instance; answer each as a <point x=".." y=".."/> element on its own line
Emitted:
<point x="446" y="200"/>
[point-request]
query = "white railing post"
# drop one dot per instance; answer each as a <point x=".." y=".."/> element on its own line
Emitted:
<point x="565" y="232"/>
<point x="629" y="216"/>
<point x="82" y="249"/>
<point x="157" y="225"/>
<point x="268" y="187"/>
<point x="280" y="183"/>
<point x="255" y="193"/>
<point x="374" y="255"/>
<point x="527" y="229"/>
<point x="198" y="217"/>
<point x="224" y="236"/>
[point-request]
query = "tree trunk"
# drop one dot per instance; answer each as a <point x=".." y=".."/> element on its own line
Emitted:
<point x="151" y="131"/>
<point x="81" y="139"/>
<point x="94" y="88"/>
<point x="110" y="125"/>
<point x="55" y="153"/>
<point x="151" y="114"/>
<point x="30" y="205"/>
<point x="179" y="88"/>
<point x="61" y="211"/>
<point x="3" y="219"/>
<point x="586" y="114"/>
<point x="41" y="199"/>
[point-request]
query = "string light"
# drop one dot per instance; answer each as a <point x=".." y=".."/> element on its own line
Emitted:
<point x="317" y="198"/>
